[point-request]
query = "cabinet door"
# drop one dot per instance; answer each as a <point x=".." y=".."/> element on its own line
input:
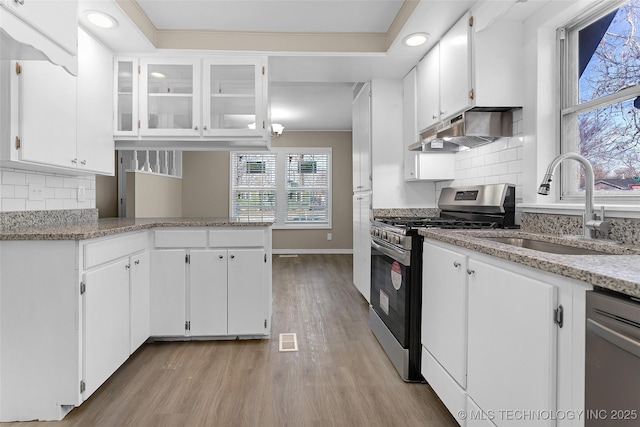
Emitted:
<point x="94" y="145"/>
<point x="45" y="109"/>
<point x="362" y="140"/>
<point x="455" y="68"/>
<point x="170" y="97"/>
<point x="140" y="290"/>
<point x="428" y="89"/>
<point x="512" y="342"/>
<point x="233" y="101"/>
<point x="168" y="292"/>
<point x="362" y="244"/>
<point x="246" y="292"/>
<point x="208" y="293"/>
<point x="444" y="309"/>
<point x="106" y="323"/>
<point x="126" y="120"/>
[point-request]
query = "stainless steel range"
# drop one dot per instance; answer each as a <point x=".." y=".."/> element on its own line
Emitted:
<point x="396" y="265"/>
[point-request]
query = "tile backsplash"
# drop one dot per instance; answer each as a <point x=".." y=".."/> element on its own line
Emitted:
<point x="497" y="162"/>
<point x="50" y="191"/>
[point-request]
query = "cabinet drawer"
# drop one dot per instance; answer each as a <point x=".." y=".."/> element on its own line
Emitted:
<point x="107" y="250"/>
<point x="181" y="239"/>
<point x="236" y="238"/>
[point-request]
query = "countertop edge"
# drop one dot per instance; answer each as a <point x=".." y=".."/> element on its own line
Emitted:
<point x="596" y="270"/>
<point x="92" y="231"/>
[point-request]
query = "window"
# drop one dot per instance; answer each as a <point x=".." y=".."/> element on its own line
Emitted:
<point x="290" y="186"/>
<point x="600" y="114"/>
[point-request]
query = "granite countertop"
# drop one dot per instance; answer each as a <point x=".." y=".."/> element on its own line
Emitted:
<point x="113" y="226"/>
<point x="618" y="270"/>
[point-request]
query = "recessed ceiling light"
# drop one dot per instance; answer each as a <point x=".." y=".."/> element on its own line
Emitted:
<point x="101" y="19"/>
<point x="415" y="39"/>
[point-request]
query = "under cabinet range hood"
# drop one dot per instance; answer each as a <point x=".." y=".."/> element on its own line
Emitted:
<point x="470" y="129"/>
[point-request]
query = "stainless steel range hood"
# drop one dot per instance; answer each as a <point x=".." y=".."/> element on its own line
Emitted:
<point x="470" y="129"/>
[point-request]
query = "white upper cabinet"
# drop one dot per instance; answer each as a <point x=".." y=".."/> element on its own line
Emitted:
<point x="191" y="103"/>
<point x="41" y="30"/>
<point x="234" y="97"/>
<point x="361" y="149"/>
<point x="170" y="97"/>
<point x="477" y="63"/>
<point x="57" y="122"/>
<point x="455" y="70"/>
<point x="94" y="146"/>
<point x="428" y="89"/>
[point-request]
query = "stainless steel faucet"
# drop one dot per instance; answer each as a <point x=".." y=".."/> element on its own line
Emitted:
<point x="589" y="222"/>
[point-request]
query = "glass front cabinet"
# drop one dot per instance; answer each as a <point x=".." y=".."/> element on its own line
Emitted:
<point x="191" y="98"/>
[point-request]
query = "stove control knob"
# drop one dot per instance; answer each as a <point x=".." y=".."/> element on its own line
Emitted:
<point x="397" y="240"/>
<point x="384" y="235"/>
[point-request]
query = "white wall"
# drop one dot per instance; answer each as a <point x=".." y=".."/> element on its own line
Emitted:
<point x="59" y="191"/>
<point x="390" y="190"/>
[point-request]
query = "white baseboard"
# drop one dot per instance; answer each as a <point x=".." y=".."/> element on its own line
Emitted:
<point x="313" y="251"/>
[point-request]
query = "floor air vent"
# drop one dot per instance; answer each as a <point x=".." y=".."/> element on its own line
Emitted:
<point x="288" y="342"/>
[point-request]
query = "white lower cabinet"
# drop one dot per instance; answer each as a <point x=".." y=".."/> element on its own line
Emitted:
<point x="69" y="323"/>
<point x="208" y="292"/>
<point x="490" y="339"/>
<point x="168" y="280"/>
<point x="106" y="323"/>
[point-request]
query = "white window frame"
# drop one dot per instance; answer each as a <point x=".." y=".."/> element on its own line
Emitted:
<point x="282" y="154"/>
<point x="569" y="105"/>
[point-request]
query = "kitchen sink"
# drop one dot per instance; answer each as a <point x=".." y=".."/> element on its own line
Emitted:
<point x="539" y="245"/>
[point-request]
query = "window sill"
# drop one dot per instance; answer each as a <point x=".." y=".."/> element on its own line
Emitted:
<point x="611" y="211"/>
<point x="323" y="226"/>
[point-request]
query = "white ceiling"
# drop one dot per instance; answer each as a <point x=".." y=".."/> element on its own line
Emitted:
<point x="314" y="88"/>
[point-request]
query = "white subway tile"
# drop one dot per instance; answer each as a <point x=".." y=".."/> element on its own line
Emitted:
<point x="517" y="114"/>
<point x="9" y="205"/>
<point x="21" y="192"/>
<point x="69" y="204"/>
<point x="492" y="159"/>
<point x="35" y="205"/>
<point x="8" y="191"/>
<point x="63" y="193"/>
<point x="499" y="145"/>
<point x="499" y="169"/>
<point x="90" y="194"/>
<point x="515" y="141"/>
<point x="49" y="193"/>
<point x="509" y="178"/>
<point x="483" y="149"/>
<point x="54" y="181"/>
<point x="70" y="182"/>
<point x="466" y="164"/>
<point x="13" y="178"/>
<point x="492" y="180"/>
<point x="508" y="155"/>
<point x="53" y="204"/>
<point x="484" y="171"/>
<point x="515" y="166"/>
<point x="33" y="178"/>
<point x="478" y="161"/>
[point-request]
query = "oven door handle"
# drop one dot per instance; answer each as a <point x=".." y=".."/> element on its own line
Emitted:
<point x="615" y="338"/>
<point x="403" y="257"/>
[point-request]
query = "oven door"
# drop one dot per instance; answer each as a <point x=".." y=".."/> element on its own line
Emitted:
<point x="390" y="281"/>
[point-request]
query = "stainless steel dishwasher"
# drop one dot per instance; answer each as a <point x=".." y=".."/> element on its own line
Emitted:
<point x="612" y="383"/>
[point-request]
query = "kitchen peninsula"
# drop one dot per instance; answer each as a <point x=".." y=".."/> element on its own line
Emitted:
<point x="80" y="295"/>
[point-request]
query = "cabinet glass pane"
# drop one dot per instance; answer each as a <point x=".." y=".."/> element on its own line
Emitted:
<point x="170" y="78"/>
<point x="170" y="102"/>
<point x="173" y="112"/>
<point x="125" y="96"/>
<point x="233" y="96"/>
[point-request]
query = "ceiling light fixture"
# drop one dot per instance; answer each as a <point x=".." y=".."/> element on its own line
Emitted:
<point x="101" y="19"/>
<point x="415" y="39"/>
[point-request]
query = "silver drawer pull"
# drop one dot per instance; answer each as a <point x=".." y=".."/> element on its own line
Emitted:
<point x="456" y="264"/>
<point x="470" y="271"/>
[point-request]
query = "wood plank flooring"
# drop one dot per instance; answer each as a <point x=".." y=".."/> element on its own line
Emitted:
<point x="339" y="377"/>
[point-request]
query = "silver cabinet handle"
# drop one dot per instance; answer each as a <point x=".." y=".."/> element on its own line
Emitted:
<point x="195" y="128"/>
<point x="74" y="161"/>
<point x="204" y="127"/>
<point x="127" y="266"/>
<point x="220" y="256"/>
<point x="19" y="1"/>
<point x="137" y="262"/>
<point x="456" y="264"/>
<point x="232" y="256"/>
<point x="434" y="117"/>
<point x="84" y="162"/>
<point x="470" y="271"/>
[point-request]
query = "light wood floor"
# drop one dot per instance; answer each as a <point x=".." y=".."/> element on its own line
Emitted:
<point x="339" y="377"/>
